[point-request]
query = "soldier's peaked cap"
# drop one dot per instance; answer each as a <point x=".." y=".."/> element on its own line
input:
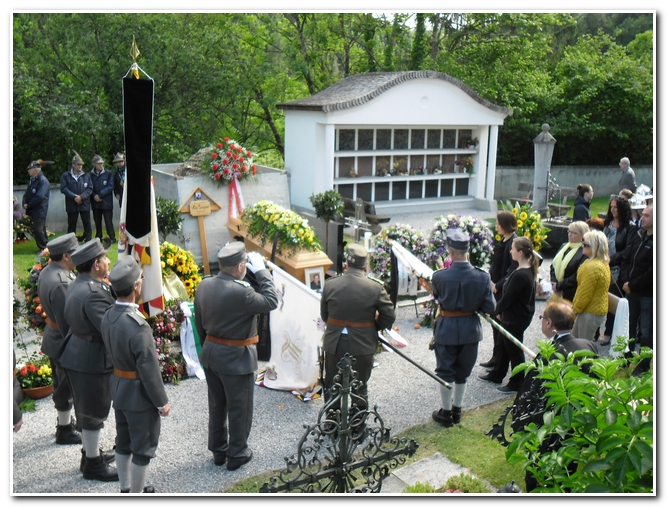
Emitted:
<point x="124" y="273"/>
<point x="457" y="239"/>
<point x="356" y="256"/>
<point x="87" y="252"/>
<point x="63" y="244"/>
<point x="232" y="254"/>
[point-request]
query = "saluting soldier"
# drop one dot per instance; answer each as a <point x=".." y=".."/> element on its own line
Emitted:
<point x="226" y="309"/>
<point x="137" y="390"/>
<point x="349" y="305"/>
<point x="52" y="289"/>
<point x="460" y="290"/>
<point x="84" y="357"/>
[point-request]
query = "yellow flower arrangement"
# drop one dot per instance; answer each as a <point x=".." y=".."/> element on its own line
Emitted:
<point x="265" y="219"/>
<point x="529" y="224"/>
<point x="177" y="260"/>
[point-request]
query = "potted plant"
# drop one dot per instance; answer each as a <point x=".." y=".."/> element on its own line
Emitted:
<point x="35" y="377"/>
<point x="328" y="205"/>
<point x="169" y="219"/>
<point x="469" y="165"/>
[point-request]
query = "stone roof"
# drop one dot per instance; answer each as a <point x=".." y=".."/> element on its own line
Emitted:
<point x="362" y="88"/>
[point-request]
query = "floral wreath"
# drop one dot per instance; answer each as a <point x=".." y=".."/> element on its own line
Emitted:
<point x="180" y="261"/>
<point x="229" y="160"/>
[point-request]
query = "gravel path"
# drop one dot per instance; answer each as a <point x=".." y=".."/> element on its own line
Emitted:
<point x="405" y="396"/>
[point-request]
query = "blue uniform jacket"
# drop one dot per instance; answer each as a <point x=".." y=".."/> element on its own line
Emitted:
<point x="37" y="196"/>
<point x="103" y="184"/>
<point x="71" y="188"/>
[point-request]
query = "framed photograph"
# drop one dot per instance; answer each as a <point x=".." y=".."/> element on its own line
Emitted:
<point x="315" y="278"/>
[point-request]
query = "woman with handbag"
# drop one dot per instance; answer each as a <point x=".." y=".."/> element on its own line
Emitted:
<point x="567" y="261"/>
<point x="618" y="227"/>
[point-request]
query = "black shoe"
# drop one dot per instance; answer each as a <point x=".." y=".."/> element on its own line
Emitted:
<point x="443" y="417"/>
<point x="67" y="435"/>
<point x="507" y="389"/>
<point x="147" y="489"/>
<point x="219" y="458"/>
<point x="233" y="464"/>
<point x="456" y="414"/>
<point x="489" y="364"/>
<point x="97" y="469"/>
<point x="107" y="456"/>
<point x="490" y="378"/>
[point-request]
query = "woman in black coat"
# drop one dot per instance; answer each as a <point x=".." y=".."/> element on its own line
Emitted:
<point x="567" y="261"/>
<point x="582" y="204"/>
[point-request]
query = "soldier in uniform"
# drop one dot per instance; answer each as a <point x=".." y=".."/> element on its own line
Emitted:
<point x="226" y="307"/>
<point x="77" y="187"/>
<point x="102" y="198"/>
<point x="36" y="201"/>
<point x="52" y="289"/>
<point x="84" y="358"/>
<point x="349" y="305"/>
<point x="460" y="290"/>
<point x="137" y="390"/>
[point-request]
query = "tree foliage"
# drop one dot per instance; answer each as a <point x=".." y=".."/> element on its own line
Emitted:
<point x="222" y="74"/>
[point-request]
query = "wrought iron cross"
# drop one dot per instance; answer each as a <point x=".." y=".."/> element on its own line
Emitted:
<point x="358" y="223"/>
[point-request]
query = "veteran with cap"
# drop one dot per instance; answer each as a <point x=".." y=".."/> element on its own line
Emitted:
<point x="102" y="198"/>
<point x="52" y="289"/>
<point x="354" y="308"/>
<point x="460" y="291"/>
<point x="36" y="201"/>
<point x="84" y="357"/>
<point x="226" y="309"/>
<point x="138" y="393"/>
<point x="119" y="177"/>
<point x="77" y="187"/>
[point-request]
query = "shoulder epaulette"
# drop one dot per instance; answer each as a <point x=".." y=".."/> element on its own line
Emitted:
<point x="137" y="317"/>
<point x="66" y="278"/>
<point x="102" y="285"/>
<point x="375" y="280"/>
<point x="244" y="283"/>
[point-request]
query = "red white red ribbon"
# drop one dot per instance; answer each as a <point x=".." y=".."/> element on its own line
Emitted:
<point x="235" y="198"/>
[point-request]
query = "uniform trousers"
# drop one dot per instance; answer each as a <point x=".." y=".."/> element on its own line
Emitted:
<point x="229" y="396"/>
<point x="107" y="214"/>
<point x="363" y="366"/>
<point x="62" y="392"/>
<point x="92" y="398"/>
<point x="138" y="433"/>
<point x="39" y="231"/>
<point x="454" y="363"/>
<point x="72" y="219"/>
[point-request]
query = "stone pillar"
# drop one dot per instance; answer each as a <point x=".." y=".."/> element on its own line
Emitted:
<point x="491" y="167"/>
<point x="544" y="150"/>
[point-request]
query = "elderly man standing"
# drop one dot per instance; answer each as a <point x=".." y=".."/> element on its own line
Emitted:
<point x="102" y="201"/>
<point x="226" y="309"/>
<point x="36" y="201"/>
<point x="460" y="290"/>
<point x="627" y="176"/>
<point x="137" y="390"/>
<point x="86" y="361"/>
<point x="77" y="187"/>
<point x="119" y="177"/>
<point x="355" y="308"/>
<point x="52" y="289"/>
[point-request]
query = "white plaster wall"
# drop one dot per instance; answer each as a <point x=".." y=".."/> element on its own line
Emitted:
<point x="304" y="156"/>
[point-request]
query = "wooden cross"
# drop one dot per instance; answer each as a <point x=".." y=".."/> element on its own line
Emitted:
<point x="198" y="207"/>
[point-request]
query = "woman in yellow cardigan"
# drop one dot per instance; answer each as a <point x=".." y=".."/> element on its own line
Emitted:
<point x="593" y="277"/>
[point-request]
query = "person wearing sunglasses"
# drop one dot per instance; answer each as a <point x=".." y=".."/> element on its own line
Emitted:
<point x="567" y="261"/>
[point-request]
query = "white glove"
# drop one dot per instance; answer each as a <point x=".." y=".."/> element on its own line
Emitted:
<point x="255" y="262"/>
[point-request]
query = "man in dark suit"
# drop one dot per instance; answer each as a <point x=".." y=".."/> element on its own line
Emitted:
<point x="226" y="309"/>
<point x="52" y="288"/>
<point x="137" y="390"/>
<point x="36" y="201"/>
<point x="349" y="305"/>
<point x="77" y="187"/>
<point x="460" y="290"/>
<point x="84" y="358"/>
<point x="102" y="198"/>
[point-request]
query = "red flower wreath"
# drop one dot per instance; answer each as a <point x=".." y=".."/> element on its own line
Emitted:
<point x="230" y="159"/>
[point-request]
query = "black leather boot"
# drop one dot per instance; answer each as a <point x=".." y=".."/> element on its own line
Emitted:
<point x="99" y="470"/>
<point x="456" y="415"/>
<point x="107" y="456"/>
<point x="67" y="435"/>
<point x="147" y="489"/>
<point x="443" y="417"/>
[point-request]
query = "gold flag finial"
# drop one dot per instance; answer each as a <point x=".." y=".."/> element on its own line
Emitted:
<point x="134" y="53"/>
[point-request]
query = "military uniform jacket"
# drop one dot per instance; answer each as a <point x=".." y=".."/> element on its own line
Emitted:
<point x="87" y="301"/>
<point x="129" y="342"/>
<point x="37" y="197"/>
<point x="103" y="186"/>
<point x="461" y="288"/>
<point x="354" y="297"/>
<point x="71" y="187"/>
<point x="52" y="290"/>
<point x="227" y="308"/>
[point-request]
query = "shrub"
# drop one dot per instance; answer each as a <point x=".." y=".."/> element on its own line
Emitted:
<point x="169" y="218"/>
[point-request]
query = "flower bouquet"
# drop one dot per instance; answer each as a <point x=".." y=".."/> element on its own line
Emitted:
<point x="265" y="219"/>
<point x="166" y="328"/>
<point x="379" y="257"/>
<point x="481" y="240"/>
<point x="35" y="373"/>
<point x="32" y="307"/>
<point x="529" y="224"/>
<point x="230" y="160"/>
<point x="181" y="262"/>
